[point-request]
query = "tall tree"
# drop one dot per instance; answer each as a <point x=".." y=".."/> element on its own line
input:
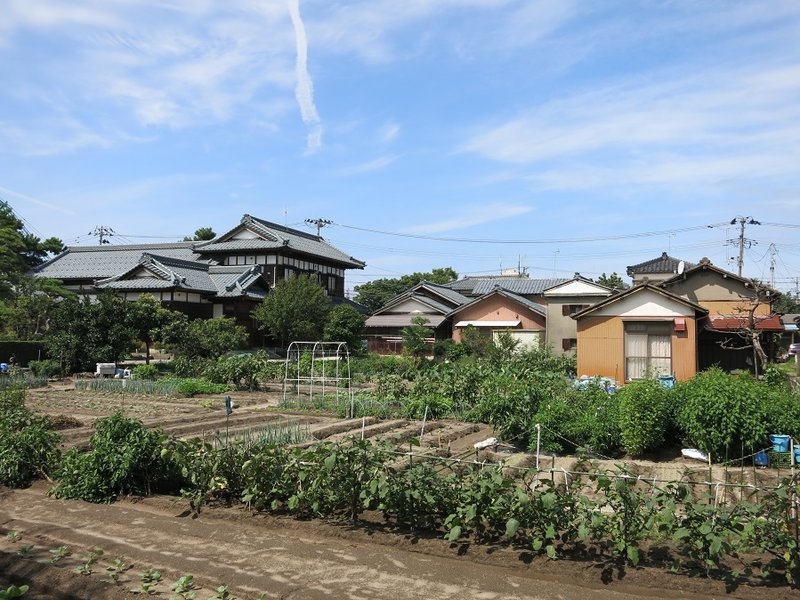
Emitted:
<point x="378" y="292"/>
<point x="149" y="317"/>
<point x="295" y="309"/>
<point x="345" y="324"/>
<point x="415" y="338"/>
<point x="83" y="332"/>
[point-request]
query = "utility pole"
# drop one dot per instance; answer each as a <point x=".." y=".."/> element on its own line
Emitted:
<point x="773" y="251"/>
<point x="743" y="242"/>
<point x="102" y="232"/>
<point x="320" y="223"/>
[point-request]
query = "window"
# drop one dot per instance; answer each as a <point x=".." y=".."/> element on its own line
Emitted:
<point x="567" y="310"/>
<point x="569" y="344"/>
<point x="648" y="349"/>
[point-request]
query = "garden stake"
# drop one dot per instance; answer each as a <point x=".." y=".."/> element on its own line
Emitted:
<point x="424" y="419"/>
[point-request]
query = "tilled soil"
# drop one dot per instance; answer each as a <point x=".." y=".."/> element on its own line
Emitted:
<point x="290" y="559"/>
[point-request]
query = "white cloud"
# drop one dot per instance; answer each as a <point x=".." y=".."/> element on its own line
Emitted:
<point x="372" y="165"/>
<point x="36" y="201"/>
<point x="304" y="88"/>
<point x="707" y="127"/>
<point x="389" y="132"/>
<point x="471" y="216"/>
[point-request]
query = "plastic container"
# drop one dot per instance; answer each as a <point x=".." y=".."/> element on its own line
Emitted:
<point x="780" y="443"/>
<point x="762" y="458"/>
<point x="797" y="455"/>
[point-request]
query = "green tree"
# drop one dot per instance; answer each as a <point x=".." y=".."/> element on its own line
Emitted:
<point x="201" y="235"/>
<point x="378" y="292"/>
<point x="415" y="336"/>
<point x="345" y="324"/>
<point x="148" y="318"/>
<point x="19" y="250"/>
<point x="206" y="338"/>
<point x="83" y="332"/>
<point x="613" y="281"/>
<point x="787" y="304"/>
<point x="295" y="309"/>
<point x="25" y="315"/>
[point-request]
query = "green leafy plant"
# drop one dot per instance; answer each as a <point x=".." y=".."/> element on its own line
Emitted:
<point x="59" y="553"/>
<point x="89" y="560"/>
<point x="14" y="591"/>
<point x="115" y="568"/>
<point x="184" y="588"/>
<point x="25" y="550"/>
<point x="149" y="580"/>
<point x="644" y="415"/>
<point x="14" y="536"/>
<point x="222" y="593"/>
<point x="124" y="458"/>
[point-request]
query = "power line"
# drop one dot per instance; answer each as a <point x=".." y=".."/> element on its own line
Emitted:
<point x="606" y="238"/>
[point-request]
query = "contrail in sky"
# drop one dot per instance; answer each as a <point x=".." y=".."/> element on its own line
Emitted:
<point x="304" y="89"/>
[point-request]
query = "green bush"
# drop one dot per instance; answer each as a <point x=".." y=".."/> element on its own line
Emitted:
<point x="146" y="372"/>
<point x="46" y="368"/>
<point x="723" y="414"/>
<point x="123" y="458"/>
<point x="29" y="444"/>
<point x="192" y="387"/>
<point x="593" y="420"/>
<point x="644" y="415"/>
<point x="190" y="366"/>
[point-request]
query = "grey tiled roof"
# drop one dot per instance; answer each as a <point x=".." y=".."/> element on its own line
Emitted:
<point x="177" y="273"/>
<point x="663" y="264"/>
<point x="534" y="306"/>
<point x="231" y="283"/>
<point x="99" y="262"/>
<point x="450" y="294"/>
<point x="274" y="236"/>
<point x="516" y="285"/>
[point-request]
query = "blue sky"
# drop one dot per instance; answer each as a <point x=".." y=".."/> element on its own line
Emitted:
<point x="563" y="129"/>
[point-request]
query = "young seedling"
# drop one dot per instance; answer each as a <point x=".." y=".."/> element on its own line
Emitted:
<point x="25" y="550"/>
<point x="116" y="567"/>
<point x="58" y="554"/>
<point x="89" y="560"/>
<point x="150" y="579"/>
<point x="14" y="536"/>
<point x="184" y="588"/>
<point x="222" y="593"/>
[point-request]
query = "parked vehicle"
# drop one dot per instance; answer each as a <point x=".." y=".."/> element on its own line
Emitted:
<point x="794" y="349"/>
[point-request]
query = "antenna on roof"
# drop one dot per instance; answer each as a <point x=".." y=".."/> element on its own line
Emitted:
<point x="102" y="232"/>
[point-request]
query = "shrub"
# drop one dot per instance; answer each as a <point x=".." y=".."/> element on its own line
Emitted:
<point x="722" y="414"/>
<point x="192" y="387"/>
<point x="124" y="458"/>
<point x="147" y="372"/>
<point x="46" y="368"/>
<point x="29" y="444"/>
<point x="643" y="415"/>
<point x="593" y="421"/>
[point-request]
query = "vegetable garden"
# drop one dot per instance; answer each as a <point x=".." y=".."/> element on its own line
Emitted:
<point x="738" y="525"/>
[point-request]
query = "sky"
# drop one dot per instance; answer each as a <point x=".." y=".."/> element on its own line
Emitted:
<point x="560" y="136"/>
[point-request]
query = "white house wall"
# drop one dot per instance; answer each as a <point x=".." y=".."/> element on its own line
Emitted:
<point x="578" y="288"/>
<point x="409" y="306"/>
<point x="644" y="304"/>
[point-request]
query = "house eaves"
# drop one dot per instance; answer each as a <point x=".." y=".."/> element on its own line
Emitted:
<point x="635" y="290"/>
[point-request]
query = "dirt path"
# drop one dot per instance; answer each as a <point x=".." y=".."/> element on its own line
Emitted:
<point x="289" y="559"/>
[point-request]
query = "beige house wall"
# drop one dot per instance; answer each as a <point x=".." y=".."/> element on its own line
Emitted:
<point x="601" y="348"/>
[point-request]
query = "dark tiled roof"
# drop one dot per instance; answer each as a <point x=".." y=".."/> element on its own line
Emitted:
<point x="100" y="262"/>
<point x="272" y="237"/>
<point x="445" y="292"/>
<point x="663" y="264"/>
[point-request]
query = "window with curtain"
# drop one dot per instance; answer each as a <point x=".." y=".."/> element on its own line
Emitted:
<point x="648" y="349"/>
